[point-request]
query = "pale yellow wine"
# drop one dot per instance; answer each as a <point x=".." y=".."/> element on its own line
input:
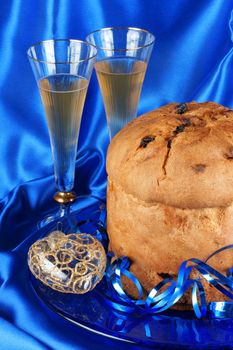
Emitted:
<point x="120" y="81"/>
<point x="63" y="97"/>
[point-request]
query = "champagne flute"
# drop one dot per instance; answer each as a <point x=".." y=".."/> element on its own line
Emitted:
<point x="123" y="54"/>
<point x="62" y="69"/>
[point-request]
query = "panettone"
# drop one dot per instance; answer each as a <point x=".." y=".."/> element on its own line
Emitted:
<point x="170" y="190"/>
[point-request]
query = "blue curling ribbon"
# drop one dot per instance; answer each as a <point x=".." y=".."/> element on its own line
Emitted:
<point x="230" y="273"/>
<point x="199" y="311"/>
<point x="168" y="292"/>
<point x="158" y="301"/>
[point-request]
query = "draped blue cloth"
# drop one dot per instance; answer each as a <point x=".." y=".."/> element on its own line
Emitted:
<point x="192" y="60"/>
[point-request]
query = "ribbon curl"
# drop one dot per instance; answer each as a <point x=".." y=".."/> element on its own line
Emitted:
<point x="158" y="301"/>
<point x="168" y="292"/>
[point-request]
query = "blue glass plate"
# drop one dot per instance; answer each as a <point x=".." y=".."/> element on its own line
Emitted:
<point x="174" y="329"/>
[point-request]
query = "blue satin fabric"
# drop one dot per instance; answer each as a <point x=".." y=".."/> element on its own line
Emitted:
<point x="192" y="60"/>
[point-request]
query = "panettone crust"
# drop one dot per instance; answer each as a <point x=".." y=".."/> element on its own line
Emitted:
<point x="170" y="190"/>
<point x="188" y="164"/>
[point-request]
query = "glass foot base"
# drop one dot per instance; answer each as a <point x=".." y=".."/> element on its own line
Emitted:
<point x="70" y="214"/>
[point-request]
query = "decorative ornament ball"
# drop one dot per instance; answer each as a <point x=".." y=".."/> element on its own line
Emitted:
<point x="72" y="263"/>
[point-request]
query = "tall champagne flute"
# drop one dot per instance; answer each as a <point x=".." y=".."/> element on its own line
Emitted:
<point x="62" y="69"/>
<point x="123" y="54"/>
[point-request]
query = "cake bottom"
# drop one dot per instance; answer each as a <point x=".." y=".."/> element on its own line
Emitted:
<point x="158" y="238"/>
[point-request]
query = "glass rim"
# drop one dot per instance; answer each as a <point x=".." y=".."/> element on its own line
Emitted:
<point x="38" y="43"/>
<point x="123" y="28"/>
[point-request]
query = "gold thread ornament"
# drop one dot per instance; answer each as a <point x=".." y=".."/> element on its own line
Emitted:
<point x="72" y="263"/>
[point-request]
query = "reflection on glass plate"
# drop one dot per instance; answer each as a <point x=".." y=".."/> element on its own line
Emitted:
<point x="178" y="329"/>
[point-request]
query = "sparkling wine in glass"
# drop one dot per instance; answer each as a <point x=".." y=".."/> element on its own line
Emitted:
<point x="62" y="69"/>
<point x="122" y="59"/>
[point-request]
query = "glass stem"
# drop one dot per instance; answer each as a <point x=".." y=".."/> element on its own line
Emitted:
<point x="65" y="210"/>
